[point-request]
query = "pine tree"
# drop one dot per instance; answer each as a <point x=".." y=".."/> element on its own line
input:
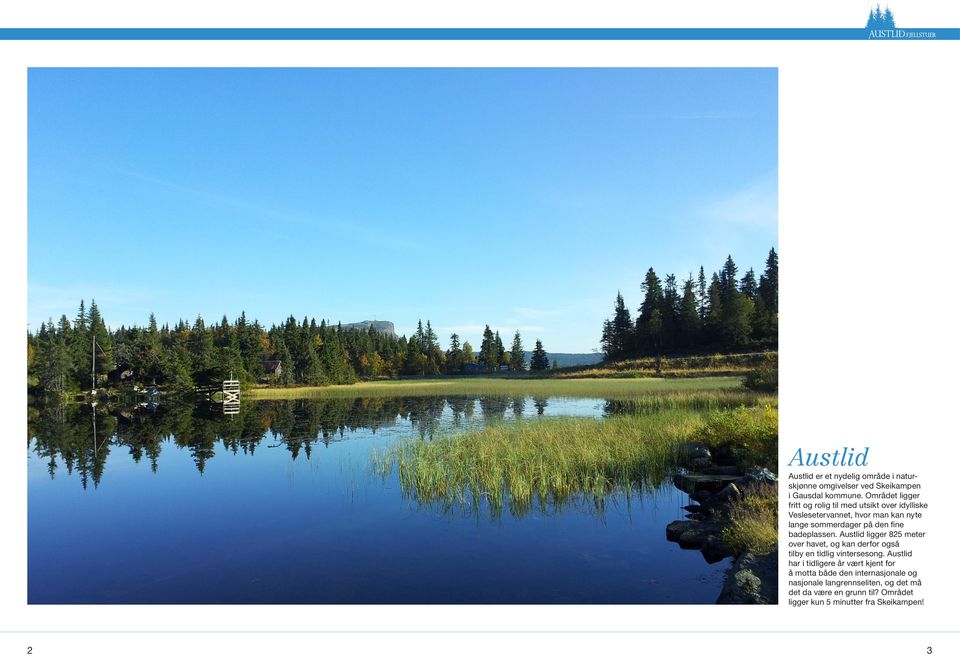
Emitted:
<point x="538" y="359"/>
<point x="489" y="354"/>
<point x="650" y="320"/>
<point x="608" y="340"/>
<point x="51" y="360"/>
<point x="769" y="282"/>
<point x="748" y="285"/>
<point x="618" y="339"/>
<point x="689" y="317"/>
<point x="104" y="343"/>
<point x="414" y="361"/>
<point x="714" y="319"/>
<point x="431" y="348"/>
<point x="767" y="304"/>
<point x="702" y="298"/>
<point x="454" y="354"/>
<point x="737" y="320"/>
<point x="670" y="310"/>
<point x="200" y="347"/>
<point x="420" y="335"/>
<point x="728" y="279"/>
<point x="80" y="349"/>
<point x="517" y="358"/>
<point x="501" y="350"/>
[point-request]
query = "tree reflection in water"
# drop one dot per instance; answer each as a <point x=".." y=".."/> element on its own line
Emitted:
<point x="80" y="438"/>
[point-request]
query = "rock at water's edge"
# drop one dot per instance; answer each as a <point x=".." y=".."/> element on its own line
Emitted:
<point x="752" y="580"/>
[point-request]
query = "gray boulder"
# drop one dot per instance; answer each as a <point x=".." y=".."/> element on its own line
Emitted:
<point x="752" y="580"/>
<point x="692" y="450"/>
<point x="757" y="476"/>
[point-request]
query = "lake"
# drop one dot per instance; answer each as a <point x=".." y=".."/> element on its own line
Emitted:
<point x="280" y="504"/>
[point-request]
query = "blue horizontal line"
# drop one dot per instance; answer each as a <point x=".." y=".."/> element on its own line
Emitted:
<point x="454" y="34"/>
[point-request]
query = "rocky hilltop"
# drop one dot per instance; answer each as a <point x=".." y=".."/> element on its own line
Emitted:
<point x="384" y="327"/>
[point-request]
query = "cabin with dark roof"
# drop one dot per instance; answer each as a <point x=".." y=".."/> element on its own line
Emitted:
<point x="272" y="368"/>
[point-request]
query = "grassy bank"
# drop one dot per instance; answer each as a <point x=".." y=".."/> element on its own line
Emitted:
<point x="753" y="522"/>
<point x="519" y="386"/>
<point x="551" y="462"/>
<point x="672" y="367"/>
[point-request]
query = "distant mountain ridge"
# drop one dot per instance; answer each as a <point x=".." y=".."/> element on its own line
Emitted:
<point x="569" y="359"/>
<point x="383" y="327"/>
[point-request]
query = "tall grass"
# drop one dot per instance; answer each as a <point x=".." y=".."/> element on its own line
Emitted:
<point x="753" y="521"/>
<point x="672" y="367"/>
<point x="549" y="462"/>
<point x="518" y="386"/>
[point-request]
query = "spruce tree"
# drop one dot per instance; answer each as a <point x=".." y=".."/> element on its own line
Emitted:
<point x="80" y="349"/>
<point x="538" y="359"/>
<point x="454" y="355"/>
<point x="608" y="341"/>
<point x="648" y="331"/>
<point x="622" y="328"/>
<point x="769" y="282"/>
<point x="728" y="279"/>
<point x="517" y="358"/>
<point x="689" y="317"/>
<point x="414" y="362"/>
<point x="748" y="285"/>
<point x="767" y="305"/>
<point x="714" y="319"/>
<point x="104" y="343"/>
<point x="670" y="310"/>
<point x="702" y="297"/>
<point x="489" y="354"/>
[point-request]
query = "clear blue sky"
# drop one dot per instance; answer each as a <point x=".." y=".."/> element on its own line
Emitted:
<point x="522" y="198"/>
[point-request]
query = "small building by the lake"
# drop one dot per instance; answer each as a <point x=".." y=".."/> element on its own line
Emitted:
<point x="272" y="368"/>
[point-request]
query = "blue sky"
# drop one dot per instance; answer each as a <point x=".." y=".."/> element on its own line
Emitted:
<point x="519" y="198"/>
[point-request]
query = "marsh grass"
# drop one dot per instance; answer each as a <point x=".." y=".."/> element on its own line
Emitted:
<point x="551" y="463"/>
<point x="753" y="521"/>
<point x="740" y="364"/>
<point x="545" y="463"/>
<point x="516" y="386"/>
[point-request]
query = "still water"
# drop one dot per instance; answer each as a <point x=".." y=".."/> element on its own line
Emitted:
<point x="280" y="504"/>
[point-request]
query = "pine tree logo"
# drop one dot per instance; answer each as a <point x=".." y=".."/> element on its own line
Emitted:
<point x="880" y="20"/>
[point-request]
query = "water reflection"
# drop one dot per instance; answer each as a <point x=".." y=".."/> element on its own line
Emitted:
<point x="80" y="438"/>
<point x="364" y="539"/>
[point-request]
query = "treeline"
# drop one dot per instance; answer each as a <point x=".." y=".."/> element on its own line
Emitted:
<point x="68" y="356"/>
<point x="727" y="314"/>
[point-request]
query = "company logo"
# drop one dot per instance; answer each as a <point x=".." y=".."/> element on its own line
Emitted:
<point x="880" y="25"/>
<point x="880" y="20"/>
